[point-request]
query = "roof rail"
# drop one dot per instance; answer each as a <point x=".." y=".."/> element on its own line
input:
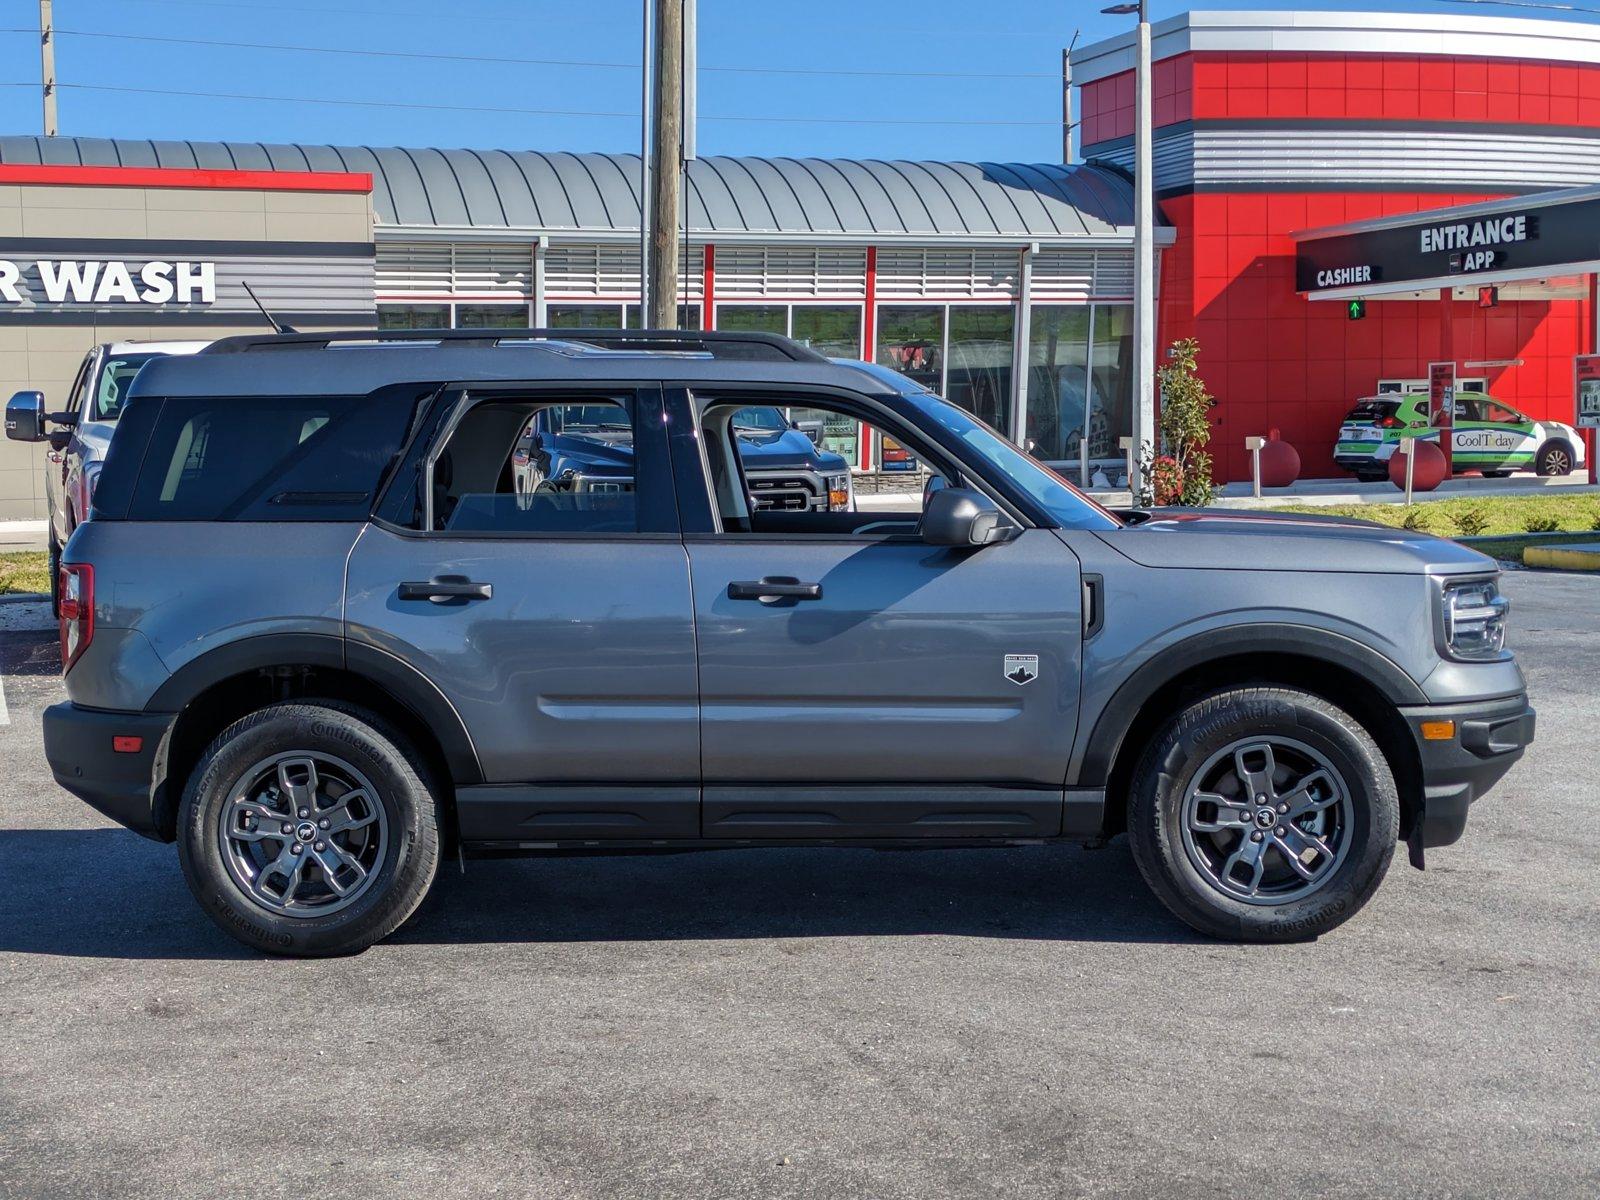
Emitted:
<point x="717" y="343"/>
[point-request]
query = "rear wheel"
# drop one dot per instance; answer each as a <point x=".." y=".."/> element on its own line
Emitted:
<point x="1554" y="458"/>
<point x="1263" y="815"/>
<point x="309" y="828"/>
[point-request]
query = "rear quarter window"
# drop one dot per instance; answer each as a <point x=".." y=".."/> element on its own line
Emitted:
<point x="283" y="458"/>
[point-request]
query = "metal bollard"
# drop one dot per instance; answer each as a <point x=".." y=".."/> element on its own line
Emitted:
<point x="1408" y="447"/>
<point x="1254" y="444"/>
<point x="1126" y="445"/>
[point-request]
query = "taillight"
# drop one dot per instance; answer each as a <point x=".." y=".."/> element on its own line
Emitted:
<point x="1391" y="423"/>
<point x="77" y="612"/>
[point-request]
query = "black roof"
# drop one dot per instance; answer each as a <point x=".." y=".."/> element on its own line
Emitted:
<point x="355" y="362"/>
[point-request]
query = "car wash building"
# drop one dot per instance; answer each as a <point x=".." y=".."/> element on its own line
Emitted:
<point x="1416" y="165"/>
<point x="1008" y="288"/>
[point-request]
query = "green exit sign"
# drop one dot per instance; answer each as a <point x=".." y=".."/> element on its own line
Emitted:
<point x="1357" y="309"/>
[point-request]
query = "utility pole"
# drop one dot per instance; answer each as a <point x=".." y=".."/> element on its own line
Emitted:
<point x="668" y="165"/>
<point x="647" y="55"/>
<point x="1144" y="260"/>
<point x="1066" y="98"/>
<point x="47" y="66"/>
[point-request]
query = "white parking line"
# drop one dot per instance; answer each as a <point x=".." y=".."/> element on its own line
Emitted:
<point x="5" y="714"/>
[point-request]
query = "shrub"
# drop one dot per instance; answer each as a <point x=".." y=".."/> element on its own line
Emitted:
<point x="1415" y="520"/>
<point x="1471" y="522"/>
<point x="1183" y="471"/>
<point x="1595" y="524"/>
<point x="1536" y="524"/>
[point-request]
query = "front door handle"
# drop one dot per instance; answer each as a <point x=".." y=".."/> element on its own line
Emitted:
<point x="445" y="589"/>
<point x="774" y="587"/>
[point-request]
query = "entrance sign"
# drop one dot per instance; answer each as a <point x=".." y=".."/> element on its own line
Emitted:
<point x="1586" y="387"/>
<point x="1499" y="237"/>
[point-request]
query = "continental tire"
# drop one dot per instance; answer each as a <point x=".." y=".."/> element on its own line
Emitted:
<point x="309" y="828"/>
<point x="1263" y="815"/>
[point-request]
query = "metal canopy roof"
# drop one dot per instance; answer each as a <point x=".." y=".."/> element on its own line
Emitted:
<point x="534" y="190"/>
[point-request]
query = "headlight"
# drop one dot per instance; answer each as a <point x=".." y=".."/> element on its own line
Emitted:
<point x="839" y="492"/>
<point x="1474" y="619"/>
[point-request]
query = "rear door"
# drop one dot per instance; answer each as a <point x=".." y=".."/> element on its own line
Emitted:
<point x="556" y="620"/>
<point x="918" y="692"/>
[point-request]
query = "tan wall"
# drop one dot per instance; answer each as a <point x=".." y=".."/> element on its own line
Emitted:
<point x="46" y="356"/>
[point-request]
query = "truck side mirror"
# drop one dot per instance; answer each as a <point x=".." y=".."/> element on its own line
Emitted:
<point x="25" y="417"/>
<point x="964" y="517"/>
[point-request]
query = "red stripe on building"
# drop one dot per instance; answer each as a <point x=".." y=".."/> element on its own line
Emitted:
<point x="709" y="301"/>
<point x="186" y="177"/>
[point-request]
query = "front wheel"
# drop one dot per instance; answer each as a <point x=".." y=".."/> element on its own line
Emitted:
<point x="309" y="828"/>
<point x="1263" y="815"/>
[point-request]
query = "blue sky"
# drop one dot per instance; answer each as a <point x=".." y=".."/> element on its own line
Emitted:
<point x="989" y="70"/>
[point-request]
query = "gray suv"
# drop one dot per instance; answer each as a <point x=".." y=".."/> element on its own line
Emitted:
<point x="317" y="636"/>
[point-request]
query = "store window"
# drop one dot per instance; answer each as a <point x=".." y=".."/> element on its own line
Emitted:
<point x="1111" y="384"/>
<point x="1058" y="380"/>
<point x="413" y="316"/>
<point x="753" y="318"/>
<point x="833" y="330"/>
<point x="491" y="316"/>
<point x="978" y="362"/>
<point x="911" y="341"/>
<point x="583" y="316"/>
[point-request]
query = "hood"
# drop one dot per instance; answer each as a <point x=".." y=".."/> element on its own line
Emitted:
<point x="569" y="449"/>
<point x="790" y="450"/>
<point x="1260" y="541"/>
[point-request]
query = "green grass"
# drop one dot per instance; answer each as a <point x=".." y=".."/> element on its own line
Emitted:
<point x="1500" y="515"/>
<point x="24" y="571"/>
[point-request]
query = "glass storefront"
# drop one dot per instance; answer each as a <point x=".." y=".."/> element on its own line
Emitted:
<point x="1080" y="385"/>
<point x="1111" y="384"/>
<point x="961" y="351"/>
<point x="978" y="362"/>
<point x="911" y="341"/>
<point x="1058" y="380"/>
<point x="413" y="316"/>
<point x="491" y="316"/>
<point x="753" y="318"/>
<point x="830" y="329"/>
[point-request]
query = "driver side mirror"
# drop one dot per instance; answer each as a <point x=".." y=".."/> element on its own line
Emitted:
<point x="964" y="517"/>
<point x="25" y="417"/>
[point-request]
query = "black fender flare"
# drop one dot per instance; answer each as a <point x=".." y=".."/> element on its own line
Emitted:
<point x="407" y="685"/>
<point x="1104" y="743"/>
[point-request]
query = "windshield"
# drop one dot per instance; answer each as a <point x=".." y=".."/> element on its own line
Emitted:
<point x="1070" y="508"/>
<point x="112" y="388"/>
<point x="585" y="418"/>
<point x="759" y="420"/>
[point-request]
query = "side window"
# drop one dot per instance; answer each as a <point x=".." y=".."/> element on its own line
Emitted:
<point x="274" y="458"/>
<point x="1500" y="414"/>
<point x="772" y="470"/>
<point x="524" y="467"/>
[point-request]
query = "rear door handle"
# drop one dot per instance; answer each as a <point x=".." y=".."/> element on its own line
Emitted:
<point x="774" y="587"/>
<point x="445" y="589"/>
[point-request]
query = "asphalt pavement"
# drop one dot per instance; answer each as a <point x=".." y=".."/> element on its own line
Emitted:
<point x="1009" y="1023"/>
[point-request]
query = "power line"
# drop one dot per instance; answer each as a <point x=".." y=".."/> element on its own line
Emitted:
<point x="532" y="62"/>
<point x="533" y="112"/>
<point x="1538" y="4"/>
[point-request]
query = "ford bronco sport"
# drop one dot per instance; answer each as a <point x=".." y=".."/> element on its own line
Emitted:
<point x="318" y="636"/>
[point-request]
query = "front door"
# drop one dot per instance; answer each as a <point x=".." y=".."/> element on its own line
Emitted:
<point x="556" y="619"/>
<point x="900" y="690"/>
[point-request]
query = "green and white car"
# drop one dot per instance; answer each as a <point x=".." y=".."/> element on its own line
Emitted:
<point x="1488" y="436"/>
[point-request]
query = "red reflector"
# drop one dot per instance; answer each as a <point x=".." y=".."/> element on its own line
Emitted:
<point x="127" y="744"/>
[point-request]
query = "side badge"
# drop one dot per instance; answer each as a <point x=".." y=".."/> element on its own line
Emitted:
<point x="1022" y="668"/>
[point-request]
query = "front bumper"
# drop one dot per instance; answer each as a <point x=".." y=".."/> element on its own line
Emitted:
<point x="78" y="743"/>
<point x="1490" y="735"/>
